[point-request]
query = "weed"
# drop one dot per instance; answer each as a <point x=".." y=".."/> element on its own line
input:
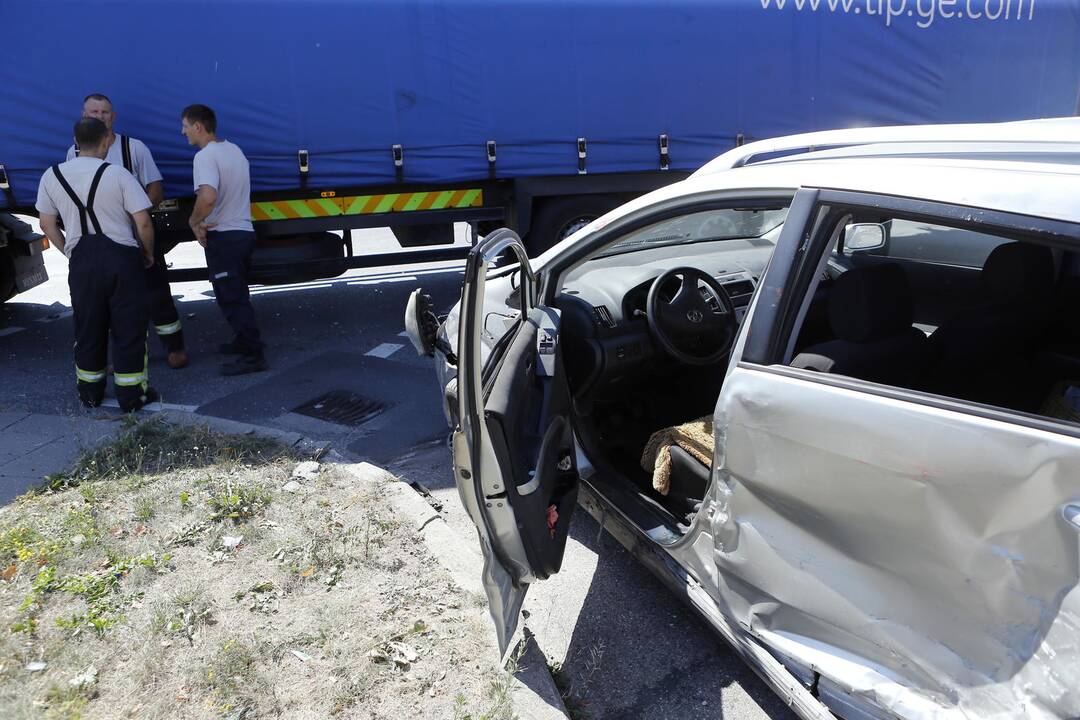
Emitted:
<point x="144" y="509"/>
<point x="236" y="502"/>
<point x="100" y="590"/>
<point x="66" y="702"/>
<point x="185" y="500"/>
<point x="184" y="614"/>
<point x="231" y="677"/>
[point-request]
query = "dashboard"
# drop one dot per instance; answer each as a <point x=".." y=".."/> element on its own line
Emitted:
<point x="605" y="328"/>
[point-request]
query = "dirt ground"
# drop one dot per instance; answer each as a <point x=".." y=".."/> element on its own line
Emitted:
<point x="180" y="573"/>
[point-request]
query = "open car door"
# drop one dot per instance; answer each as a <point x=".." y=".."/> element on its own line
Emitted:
<point x="513" y="450"/>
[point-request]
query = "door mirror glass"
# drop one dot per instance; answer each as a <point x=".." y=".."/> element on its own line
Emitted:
<point x="860" y="237"/>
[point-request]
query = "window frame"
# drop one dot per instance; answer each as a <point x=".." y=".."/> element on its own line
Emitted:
<point x="803" y="276"/>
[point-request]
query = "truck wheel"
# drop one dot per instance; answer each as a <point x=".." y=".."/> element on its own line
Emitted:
<point x="558" y="218"/>
<point x="7" y="276"/>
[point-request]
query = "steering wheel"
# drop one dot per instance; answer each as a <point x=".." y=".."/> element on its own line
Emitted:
<point x="697" y="324"/>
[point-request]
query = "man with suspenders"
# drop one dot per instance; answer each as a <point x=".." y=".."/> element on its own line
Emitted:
<point x="135" y="157"/>
<point x="99" y="204"/>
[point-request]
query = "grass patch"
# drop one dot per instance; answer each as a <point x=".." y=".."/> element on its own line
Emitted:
<point x="153" y="446"/>
<point x="204" y="590"/>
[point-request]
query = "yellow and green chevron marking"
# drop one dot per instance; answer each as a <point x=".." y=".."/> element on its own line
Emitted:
<point x="366" y="204"/>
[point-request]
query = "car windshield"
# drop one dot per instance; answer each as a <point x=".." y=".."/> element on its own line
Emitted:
<point x="700" y="227"/>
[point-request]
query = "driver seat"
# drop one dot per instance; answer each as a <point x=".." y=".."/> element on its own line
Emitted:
<point x="870" y="314"/>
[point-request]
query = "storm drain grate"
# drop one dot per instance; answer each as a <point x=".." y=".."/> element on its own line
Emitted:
<point x="342" y="407"/>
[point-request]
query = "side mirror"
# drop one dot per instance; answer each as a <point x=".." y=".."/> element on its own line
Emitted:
<point x="860" y="237"/>
<point x="421" y="323"/>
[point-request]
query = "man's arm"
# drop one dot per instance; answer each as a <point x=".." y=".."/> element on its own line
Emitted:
<point x="156" y="192"/>
<point x="145" y="229"/>
<point x="51" y="227"/>
<point x="205" y="199"/>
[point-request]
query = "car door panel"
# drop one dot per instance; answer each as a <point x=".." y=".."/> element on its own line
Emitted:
<point x="917" y="553"/>
<point x="513" y="448"/>
<point x="527" y="416"/>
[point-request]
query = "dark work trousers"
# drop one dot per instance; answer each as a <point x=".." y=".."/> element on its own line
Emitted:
<point x="163" y="312"/>
<point x="108" y="298"/>
<point x="228" y="258"/>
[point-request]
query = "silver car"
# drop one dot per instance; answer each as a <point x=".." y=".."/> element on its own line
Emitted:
<point x="827" y="389"/>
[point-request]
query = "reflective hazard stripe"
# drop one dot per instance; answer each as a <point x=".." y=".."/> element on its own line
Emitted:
<point x="168" y="329"/>
<point x="135" y="378"/>
<point x="89" y="376"/>
<point x="129" y="379"/>
<point x="367" y="204"/>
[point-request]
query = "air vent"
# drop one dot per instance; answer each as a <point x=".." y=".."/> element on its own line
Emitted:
<point x="603" y="316"/>
<point x="739" y="287"/>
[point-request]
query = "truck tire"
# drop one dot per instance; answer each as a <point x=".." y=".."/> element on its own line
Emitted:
<point x="7" y="276"/>
<point x="281" y="260"/>
<point x="557" y="218"/>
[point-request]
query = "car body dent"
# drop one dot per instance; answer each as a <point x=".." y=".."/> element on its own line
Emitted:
<point x="815" y="572"/>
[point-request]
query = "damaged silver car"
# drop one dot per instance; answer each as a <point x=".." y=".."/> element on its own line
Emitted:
<point x="831" y="398"/>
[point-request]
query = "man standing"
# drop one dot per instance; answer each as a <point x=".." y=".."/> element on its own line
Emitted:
<point x="99" y="203"/>
<point x="135" y="157"/>
<point x="221" y="221"/>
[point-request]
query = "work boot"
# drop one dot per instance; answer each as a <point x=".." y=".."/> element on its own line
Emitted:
<point x="150" y="395"/>
<point x="91" y="397"/>
<point x="244" y="364"/>
<point x="231" y="348"/>
<point x="177" y="359"/>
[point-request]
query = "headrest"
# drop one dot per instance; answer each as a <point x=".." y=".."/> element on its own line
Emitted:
<point x="1018" y="272"/>
<point x="870" y="303"/>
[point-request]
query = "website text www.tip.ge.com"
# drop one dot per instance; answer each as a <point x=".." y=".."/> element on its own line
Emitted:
<point x="922" y="12"/>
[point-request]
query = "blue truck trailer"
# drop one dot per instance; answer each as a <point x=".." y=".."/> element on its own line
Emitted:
<point x="539" y="115"/>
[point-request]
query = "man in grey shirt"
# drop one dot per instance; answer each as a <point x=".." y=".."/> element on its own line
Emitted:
<point x="221" y="222"/>
<point x="99" y="204"/>
<point x="135" y="157"/>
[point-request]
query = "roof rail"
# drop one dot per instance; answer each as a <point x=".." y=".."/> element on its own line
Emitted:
<point x="1033" y="131"/>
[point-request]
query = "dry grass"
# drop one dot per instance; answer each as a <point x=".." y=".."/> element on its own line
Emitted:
<point x="169" y="576"/>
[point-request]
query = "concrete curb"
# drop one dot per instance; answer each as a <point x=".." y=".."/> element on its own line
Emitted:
<point x="534" y="693"/>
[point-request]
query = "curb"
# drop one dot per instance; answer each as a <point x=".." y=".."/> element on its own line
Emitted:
<point x="534" y="693"/>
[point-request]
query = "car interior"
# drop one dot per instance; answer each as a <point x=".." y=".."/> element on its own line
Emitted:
<point x="901" y="302"/>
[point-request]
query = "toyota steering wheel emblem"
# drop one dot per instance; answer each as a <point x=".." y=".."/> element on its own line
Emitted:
<point x="694" y="316"/>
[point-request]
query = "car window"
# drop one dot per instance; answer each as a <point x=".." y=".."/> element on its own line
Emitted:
<point x="716" y="224"/>
<point x="950" y="311"/>
<point x="927" y="242"/>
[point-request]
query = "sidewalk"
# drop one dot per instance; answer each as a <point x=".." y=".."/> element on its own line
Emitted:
<point x="33" y="445"/>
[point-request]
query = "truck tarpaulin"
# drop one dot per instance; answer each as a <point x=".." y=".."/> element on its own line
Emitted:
<point x="347" y="80"/>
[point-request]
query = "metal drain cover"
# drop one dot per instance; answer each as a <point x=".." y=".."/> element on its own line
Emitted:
<point x="342" y="407"/>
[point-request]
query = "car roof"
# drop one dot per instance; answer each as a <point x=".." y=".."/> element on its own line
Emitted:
<point x="961" y="139"/>
<point x="1026" y="168"/>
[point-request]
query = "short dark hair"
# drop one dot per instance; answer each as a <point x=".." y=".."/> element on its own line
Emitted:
<point x="96" y="96"/>
<point x="201" y="114"/>
<point x="89" y="132"/>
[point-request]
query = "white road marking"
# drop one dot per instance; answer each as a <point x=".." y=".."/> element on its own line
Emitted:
<point x="271" y="290"/>
<point x="384" y="351"/>
<point x="10" y="330"/>
<point x="58" y="316"/>
<point x="380" y="281"/>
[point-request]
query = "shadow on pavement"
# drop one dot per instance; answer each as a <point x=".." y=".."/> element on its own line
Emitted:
<point x="638" y="652"/>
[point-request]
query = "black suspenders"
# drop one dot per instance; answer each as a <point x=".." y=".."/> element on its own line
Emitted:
<point x="125" y="152"/>
<point x="88" y="208"/>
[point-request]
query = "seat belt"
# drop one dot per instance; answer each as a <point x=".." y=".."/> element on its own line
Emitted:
<point x="88" y="208"/>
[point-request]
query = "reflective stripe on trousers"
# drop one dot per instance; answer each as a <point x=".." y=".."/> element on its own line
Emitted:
<point x="168" y="329"/>
<point x="89" y="376"/>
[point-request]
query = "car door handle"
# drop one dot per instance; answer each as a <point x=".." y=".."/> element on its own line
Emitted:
<point x="1071" y="512"/>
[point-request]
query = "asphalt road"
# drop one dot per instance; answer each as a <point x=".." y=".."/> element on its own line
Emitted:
<point x="627" y="647"/>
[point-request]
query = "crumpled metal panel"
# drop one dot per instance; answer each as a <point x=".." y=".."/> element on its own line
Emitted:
<point x="917" y="558"/>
